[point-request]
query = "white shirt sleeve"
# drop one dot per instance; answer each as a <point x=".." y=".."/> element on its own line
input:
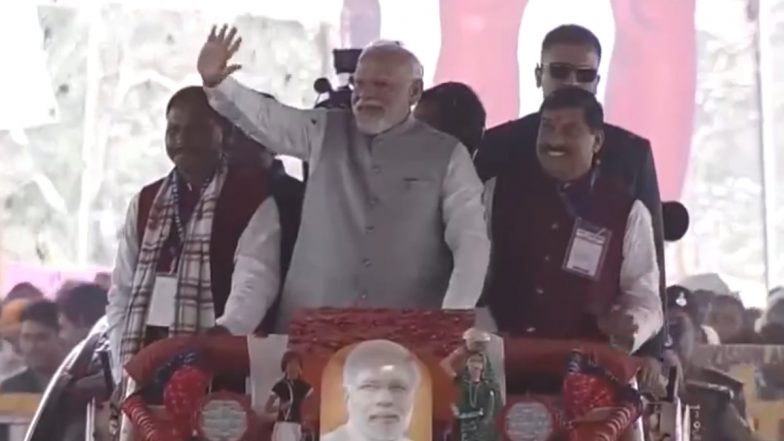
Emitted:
<point x="465" y="231"/>
<point x="119" y="295"/>
<point x="640" y="275"/>
<point x="256" y="278"/>
<point x="282" y="129"/>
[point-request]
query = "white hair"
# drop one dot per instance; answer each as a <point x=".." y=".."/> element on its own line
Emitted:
<point x="397" y="48"/>
<point x="376" y="353"/>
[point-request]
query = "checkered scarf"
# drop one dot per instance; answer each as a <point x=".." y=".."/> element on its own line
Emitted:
<point x="194" y="309"/>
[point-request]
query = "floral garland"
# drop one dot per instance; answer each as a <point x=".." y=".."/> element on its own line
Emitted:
<point x="589" y="387"/>
<point x="182" y="382"/>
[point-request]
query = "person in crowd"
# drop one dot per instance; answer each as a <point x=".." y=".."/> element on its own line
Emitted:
<point x="23" y="291"/>
<point x="454" y="108"/>
<point x="289" y="393"/>
<point x="41" y="347"/>
<point x="66" y="286"/>
<point x="727" y="315"/>
<point x="380" y="379"/>
<point x="103" y="279"/>
<point x="393" y="215"/>
<point x="718" y="395"/>
<point x="590" y="245"/>
<point x="770" y="377"/>
<point x="11" y="362"/>
<point x="748" y="334"/>
<point x="200" y="248"/>
<point x="80" y="309"/>
<point x="570" y="57"/>
<point x="288" y="193"/>
<point x="772" y="322"/>
<point x="697" y="308"/>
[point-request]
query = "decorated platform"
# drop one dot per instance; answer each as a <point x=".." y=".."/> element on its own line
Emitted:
<point x="386" y="374"/>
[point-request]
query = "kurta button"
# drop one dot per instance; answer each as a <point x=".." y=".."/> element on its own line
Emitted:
<point x="530" y="330"/>
<point x="369" y="228"/>
<point x="546" y="258"/>
<point x="539" y="291"/>
<point x="366" y="262"/>
<point x="364" y="295"/>
<point x="376" y="169"/>
<point x="554" y="226"/>
<point x="373" y="201"/>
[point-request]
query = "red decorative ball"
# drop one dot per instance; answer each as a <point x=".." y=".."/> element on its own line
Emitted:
<point x="585" y="392"/>
<point x="182" y="395"/>
<point x="146" y="426"/>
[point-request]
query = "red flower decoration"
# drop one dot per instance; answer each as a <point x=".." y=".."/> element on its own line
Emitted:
<point x="146" y="426"/>
<point x="589" y="387"/>
<point x="584" y="392"/>
<point x="182" y="395"/>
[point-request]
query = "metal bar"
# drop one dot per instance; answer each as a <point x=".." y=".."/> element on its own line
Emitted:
<point x="767" y="139"/>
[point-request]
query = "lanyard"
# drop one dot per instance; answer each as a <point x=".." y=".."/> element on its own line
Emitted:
<point x="179" y="222"/>
<point x="578" y="208"/>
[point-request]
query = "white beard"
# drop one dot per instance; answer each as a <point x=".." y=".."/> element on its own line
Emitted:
<point x="373" y="126"/>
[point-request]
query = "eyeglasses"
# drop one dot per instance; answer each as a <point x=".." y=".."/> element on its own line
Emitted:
<point x="561" y="71"/>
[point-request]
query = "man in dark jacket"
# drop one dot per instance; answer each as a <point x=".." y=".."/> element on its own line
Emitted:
<point x="287" y="191"/>
<point x="570" y="57"/>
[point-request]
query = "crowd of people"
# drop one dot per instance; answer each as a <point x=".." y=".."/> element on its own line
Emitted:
<point x="408" y="203"/>
<point x="38" y="331"/>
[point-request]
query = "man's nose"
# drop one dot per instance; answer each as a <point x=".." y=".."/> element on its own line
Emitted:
<point x="555" y="139"/>
<point x="571" y="79"/>
<point x="365" y="91"/>
<point x="384" y="398"/>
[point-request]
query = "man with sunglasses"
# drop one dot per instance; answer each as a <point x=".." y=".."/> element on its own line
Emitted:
<point x="570" y="57"/>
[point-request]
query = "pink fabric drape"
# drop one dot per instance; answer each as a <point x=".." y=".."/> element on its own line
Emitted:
<point x="479" y="47"/>
<point x="653" y="79"/>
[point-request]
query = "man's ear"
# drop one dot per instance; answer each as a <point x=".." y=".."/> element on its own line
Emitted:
<point x="415" y="92"/>
<point x="538" y="76"/>
<point x="222" y="135"/>
<point x="599" y="141"/>
<point x="595" y="84"/>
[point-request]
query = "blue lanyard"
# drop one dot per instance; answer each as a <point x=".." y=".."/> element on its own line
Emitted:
<point x="577" y="209"/>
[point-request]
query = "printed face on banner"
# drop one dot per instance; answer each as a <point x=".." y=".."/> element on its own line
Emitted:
<point x="380" y="400"/>
<point x="385" y="390"/>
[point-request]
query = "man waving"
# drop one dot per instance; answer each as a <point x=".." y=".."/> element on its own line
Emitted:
<point x="393" y="215"/>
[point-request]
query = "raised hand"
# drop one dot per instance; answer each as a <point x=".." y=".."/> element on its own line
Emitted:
<point x="213" y="64"/>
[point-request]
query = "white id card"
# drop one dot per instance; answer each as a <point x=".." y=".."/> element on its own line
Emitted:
<point x="587" y="249"/>
<point x="161" y="310"/>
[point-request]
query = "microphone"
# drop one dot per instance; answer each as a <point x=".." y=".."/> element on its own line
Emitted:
<point x="675" y="217"/>
<point x="322" y="86"/>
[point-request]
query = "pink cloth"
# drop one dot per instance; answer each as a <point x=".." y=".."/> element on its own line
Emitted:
<point x="47" y="279"/>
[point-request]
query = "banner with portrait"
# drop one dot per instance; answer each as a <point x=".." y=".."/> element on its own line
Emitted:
<point x="376" y="389"/>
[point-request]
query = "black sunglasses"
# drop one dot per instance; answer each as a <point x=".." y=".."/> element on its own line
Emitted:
<point x="561" y="71"/>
